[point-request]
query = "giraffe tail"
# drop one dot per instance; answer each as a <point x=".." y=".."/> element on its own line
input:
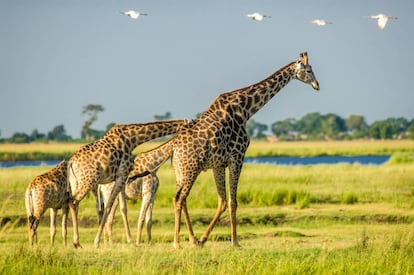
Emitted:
<point x="31" y="219"/>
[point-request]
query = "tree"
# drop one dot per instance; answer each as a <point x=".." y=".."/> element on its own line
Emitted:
<point x="20" y="138"/>
<point x="92" y="111"/>
<point x="284" y="128"/>
<point x="165" y="116"/>
<point x="410" y="129"/>
<point x="381" y="130"/>
<point x="357" y="126"/>
<point x="36" y="135"/>
<point x="58" y="133"/>
<point x="256" y="129"/>
<point x="356" y="122"/>
<point x="332" y="125"/>
<point x="310" y="125"/>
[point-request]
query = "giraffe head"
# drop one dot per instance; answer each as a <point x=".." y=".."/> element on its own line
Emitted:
<point x="304" y="73"/>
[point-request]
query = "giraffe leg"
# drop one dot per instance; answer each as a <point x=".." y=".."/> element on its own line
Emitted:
<point x="148" y="221"/>
<point x="53" y="213"/>
<point x="110" y="221"/>
<point x="191" y="237"/>
<point x="124" y="213"/>
<point x="74" y="207"/>
<point x="180" y="206"/>
<point x="99" y="203"/>
<point x="177" y="209"/>
<point x="220" y="179"/>
<point x="146" y="200"/>
<point x="153" y="191"/>
<point x="149" y="188"/>
<point x="64" y="223"/>
<point x="115" y="191"/>
<point x="235" y="170"/>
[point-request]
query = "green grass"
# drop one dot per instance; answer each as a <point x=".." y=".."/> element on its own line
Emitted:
<point x="59" y="151"/>
<point x="322" y="219"/>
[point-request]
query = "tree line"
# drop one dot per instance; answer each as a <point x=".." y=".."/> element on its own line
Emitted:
<point x="316" y="126"/>
<point x="312" y="126"/>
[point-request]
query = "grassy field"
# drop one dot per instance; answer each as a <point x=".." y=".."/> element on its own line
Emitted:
<point x="322" y="219"/>
<point x="58" y="151"/>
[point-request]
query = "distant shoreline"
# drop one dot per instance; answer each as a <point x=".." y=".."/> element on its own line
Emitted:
<point x="257" y="148"/>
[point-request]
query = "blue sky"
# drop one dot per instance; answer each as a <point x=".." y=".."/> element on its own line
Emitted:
<point x="58" y="56"/>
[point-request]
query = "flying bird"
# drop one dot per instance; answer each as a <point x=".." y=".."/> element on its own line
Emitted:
<point x="320" y="22"/>
<point x="257" y="16"/>
<point x="133" y="14"/>
<point x="382" y="19"/>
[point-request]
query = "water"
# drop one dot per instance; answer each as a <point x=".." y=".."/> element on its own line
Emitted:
<point x="9" y="164"/>
<point x="364" y="160"/>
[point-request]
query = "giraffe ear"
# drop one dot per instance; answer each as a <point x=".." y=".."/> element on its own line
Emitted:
<point x="304" y="58"/>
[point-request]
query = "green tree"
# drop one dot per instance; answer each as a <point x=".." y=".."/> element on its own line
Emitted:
<point x="284" y="128"/>
<point x="91" y="110"/>
<point x="410" y="129"/>
<point x="36" y="135"/>
<point x="357" y="126"/>
<point x="311" y="125"/>
<point x="381" y="130"/>
<point x="256" y="129"/>
<point x="58" y="133"/>
<point x="332" y="125"/>
<point x="20" y="138"/>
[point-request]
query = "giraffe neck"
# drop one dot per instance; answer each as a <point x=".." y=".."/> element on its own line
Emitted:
<point x="244" y="103"/>
<point x="132" y="135"/>
<point x="149" y="162"/>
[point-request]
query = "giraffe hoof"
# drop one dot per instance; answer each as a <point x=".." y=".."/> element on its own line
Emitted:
<point x="77" y="245"/>
<point x="236" y="245"/>
<point x="203" y="240"/>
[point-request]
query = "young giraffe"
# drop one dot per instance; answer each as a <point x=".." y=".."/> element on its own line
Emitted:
<point x="47" y="191"/>
<point x="138" y="185"/>
<point x="109" y="159"/>
<point x="218" y="139"/>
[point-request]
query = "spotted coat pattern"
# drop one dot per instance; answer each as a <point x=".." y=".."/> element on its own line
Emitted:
<point x="218" y="140"/>
<point x="47" y="191"/>
<point x="109" y="159"/>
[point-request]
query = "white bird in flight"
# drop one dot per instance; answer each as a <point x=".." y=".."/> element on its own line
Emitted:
<point x="257" y="16"/>
<point x="382" y="19"/>
<point x="320" y="22"/>
<point x="133" y="14"/>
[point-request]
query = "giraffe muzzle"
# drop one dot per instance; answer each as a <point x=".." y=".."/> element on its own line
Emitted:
<point x="315" y="85"/>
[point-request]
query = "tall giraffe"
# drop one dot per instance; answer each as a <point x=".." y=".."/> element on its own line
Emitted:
<point x="218" y="139"/>
<point x="138" y="185"/>
<point x="109" y="159"/>
<point x="47" y="191"/>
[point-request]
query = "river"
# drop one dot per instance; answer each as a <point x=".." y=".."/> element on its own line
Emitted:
<point x="363" y="160"/>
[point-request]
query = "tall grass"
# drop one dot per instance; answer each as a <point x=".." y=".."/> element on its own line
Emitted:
<point x="322" y="219"/>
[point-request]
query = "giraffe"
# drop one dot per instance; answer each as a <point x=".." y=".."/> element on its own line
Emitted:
<point x="138" y="185"/>
<point x="218" y="139"/>
<point x="47" y="191"/>
<point x="109" y="159"/>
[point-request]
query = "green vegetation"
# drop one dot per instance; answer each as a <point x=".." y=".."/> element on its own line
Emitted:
<point x="312" y="126"/>
<point x="257" y="148"/>
<point x="322" y="219"/>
